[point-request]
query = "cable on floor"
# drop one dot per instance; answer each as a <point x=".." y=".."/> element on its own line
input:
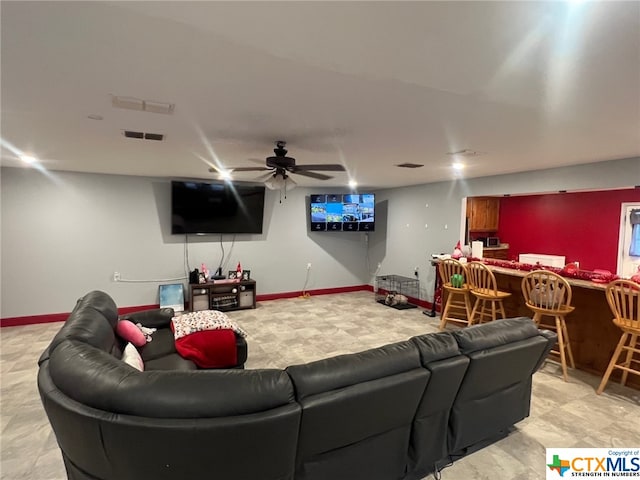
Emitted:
<point x="304" y="293"/>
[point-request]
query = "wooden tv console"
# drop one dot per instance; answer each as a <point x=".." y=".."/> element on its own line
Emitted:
<point x="220" y="295"/>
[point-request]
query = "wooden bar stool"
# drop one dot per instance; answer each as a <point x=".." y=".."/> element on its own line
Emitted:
<point x="624" y="299"/>
<point x="483" y="286"/>
<point x="548" y="294"/>
<point x="458" y="304"/>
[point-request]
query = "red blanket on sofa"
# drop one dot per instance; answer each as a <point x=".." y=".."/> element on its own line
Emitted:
<point x="209" y="348"/>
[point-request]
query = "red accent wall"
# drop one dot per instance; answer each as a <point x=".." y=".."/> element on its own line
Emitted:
<point x="581" y="226"/>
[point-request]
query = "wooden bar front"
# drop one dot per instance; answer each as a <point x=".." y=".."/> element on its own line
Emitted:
<point x="592" y="333"/>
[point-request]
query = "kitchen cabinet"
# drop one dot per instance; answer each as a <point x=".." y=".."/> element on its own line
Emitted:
<point x="483" y="214"/>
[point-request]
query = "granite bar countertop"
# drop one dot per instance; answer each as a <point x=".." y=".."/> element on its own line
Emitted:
<point x="574" y="282"/>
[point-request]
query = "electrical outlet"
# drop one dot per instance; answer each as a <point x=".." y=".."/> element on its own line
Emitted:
<point x="308" y="266"/>
<point x="415" y="272"/>
<point x="116" y="276"/>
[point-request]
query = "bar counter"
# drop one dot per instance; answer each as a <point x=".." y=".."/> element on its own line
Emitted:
<point x="592" y="333"/>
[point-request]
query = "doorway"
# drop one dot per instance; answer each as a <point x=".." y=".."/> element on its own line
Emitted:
<point x="628" y="257"/>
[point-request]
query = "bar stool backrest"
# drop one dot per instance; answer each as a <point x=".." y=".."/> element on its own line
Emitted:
<point x="547" y="290"/>
<point x="624" y="299"/>
<point x="450" y="267"/>
<point x="481" y="279"/>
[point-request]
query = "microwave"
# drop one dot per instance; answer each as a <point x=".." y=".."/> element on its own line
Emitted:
<point x="493" y="242"/>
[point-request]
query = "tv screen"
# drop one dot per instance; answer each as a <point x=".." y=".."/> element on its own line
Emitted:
<point x="198" y="207"/>
<point x="345" y="213"/>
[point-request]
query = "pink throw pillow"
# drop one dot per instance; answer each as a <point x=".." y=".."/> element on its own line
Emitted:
<point x="129" y="332"/>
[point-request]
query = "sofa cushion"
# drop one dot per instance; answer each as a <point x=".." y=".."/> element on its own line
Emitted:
<point x="162" y="344"/>
<point x="171" y="362"/>
<point x="131" y="333"/>
<point x="496" y="389"/>
<point x="117" y="388"/>
<point x="436" y="346"/>
<point x="354" y="368"/>
<point x="92" y="321"/>
<point x="494" y="334"/>
<point x="357" y="412"/>
<point x="154" y="318"/>
<point x="132" y="357"/>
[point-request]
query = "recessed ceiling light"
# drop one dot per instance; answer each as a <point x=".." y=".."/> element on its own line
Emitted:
<point x="353" y="183"/>
<point x="28" y="159"/>
<point x="225" y="174"/>
<point x="457" y="166"/>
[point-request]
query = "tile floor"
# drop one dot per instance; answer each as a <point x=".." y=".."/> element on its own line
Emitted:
<point x="286" y="332"/>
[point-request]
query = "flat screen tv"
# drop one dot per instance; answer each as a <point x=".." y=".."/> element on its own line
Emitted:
<point x="343" y="213"/>
<point x="202" y="208"/>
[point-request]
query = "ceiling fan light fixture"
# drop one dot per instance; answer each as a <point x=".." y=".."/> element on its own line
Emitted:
<point x="274" y="183"/>
<point x="279" y="182"/>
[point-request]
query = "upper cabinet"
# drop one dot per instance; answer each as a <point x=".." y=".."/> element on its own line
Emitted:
<point x="483" y="214"/>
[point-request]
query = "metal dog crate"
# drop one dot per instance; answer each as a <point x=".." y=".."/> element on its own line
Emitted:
<point x="385" y="284"/>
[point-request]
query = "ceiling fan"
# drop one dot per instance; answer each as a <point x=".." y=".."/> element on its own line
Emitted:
<point x="279" y="166"/>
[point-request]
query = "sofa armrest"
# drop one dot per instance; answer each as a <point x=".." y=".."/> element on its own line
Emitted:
<point x="155" y="318"/>
<point x="552" y="338"/>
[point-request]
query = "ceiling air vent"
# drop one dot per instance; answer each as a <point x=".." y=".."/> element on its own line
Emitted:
<point x="143" y="136"/>
<point x="132" y="103"/>
<point x="410" y="165"/>
<point x="132" y="134"/>
<point x="153" y="136"/>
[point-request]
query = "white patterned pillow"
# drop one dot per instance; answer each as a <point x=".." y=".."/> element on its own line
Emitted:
<point x="132" y="357"/>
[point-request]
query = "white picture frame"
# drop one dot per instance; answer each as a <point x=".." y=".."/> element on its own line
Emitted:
<point x="172" y="296"/>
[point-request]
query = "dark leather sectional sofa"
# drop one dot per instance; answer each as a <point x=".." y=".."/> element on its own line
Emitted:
<point x="389" y="413"/>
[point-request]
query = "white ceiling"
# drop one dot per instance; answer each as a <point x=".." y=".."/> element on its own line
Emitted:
<point x="530" y="85"/>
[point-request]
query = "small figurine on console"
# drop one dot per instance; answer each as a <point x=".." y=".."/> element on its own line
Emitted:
<point x="204" y="273"/>
<point x="457" y="252"/>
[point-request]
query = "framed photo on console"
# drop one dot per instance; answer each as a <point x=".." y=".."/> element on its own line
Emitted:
<point x="232" y="275"/>
<point x="246" y="275"/>
<point x="172" y="296"/>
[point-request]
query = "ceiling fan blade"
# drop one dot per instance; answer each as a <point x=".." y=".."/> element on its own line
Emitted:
<point x="248" y="169"/>
<point x="335" y="167"/>
<point x="318" y="176"/>
<point x="241" y="169"/>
